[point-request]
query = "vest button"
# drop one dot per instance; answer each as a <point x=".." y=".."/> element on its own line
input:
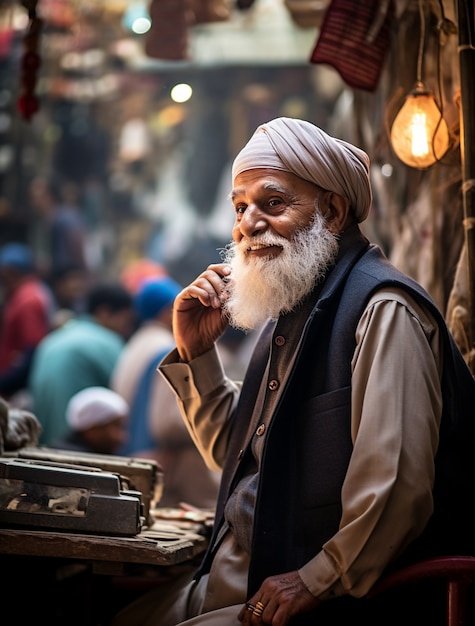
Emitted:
<point x="279" y="340"/>
<point x="273" y="385"/>
<point x="260" y="430"/>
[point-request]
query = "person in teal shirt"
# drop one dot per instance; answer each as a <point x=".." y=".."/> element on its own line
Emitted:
<point x="82" y="353"/>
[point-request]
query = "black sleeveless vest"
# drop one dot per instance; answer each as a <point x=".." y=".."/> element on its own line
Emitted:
<point x="308" y="444"/>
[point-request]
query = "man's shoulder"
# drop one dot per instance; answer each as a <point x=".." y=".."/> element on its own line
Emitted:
<point x="395" y="293"/>
<point x="80" y="332"/>
<point x="374" y="275"/>
<point x="93" y="336"/>
<point x="31" y="290"/>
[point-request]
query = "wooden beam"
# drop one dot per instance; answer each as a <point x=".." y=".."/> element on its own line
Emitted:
<point x="466" y="52"/>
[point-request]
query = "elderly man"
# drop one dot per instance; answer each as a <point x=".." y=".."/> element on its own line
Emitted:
<point x="346" y="451"/>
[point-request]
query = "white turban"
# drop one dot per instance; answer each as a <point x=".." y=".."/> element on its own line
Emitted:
<point x="303" y="149"/>
<point x="94" y="406"/>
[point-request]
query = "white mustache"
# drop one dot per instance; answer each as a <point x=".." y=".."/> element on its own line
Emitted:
<point x="261" y="241"/>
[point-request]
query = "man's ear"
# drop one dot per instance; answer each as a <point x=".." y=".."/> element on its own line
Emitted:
<point x="337" y="212"/>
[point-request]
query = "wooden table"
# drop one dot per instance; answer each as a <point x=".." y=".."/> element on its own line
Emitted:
<point x="163" y="544"/>
<point x="70" y="578"/>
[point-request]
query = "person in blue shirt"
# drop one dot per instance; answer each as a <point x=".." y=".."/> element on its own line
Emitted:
<point x="82" y="353"/>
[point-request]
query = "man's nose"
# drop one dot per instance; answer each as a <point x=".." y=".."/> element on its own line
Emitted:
<point x="252" y="222"/>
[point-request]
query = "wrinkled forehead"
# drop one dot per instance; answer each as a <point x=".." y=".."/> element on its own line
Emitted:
<point x="269" y="180"/>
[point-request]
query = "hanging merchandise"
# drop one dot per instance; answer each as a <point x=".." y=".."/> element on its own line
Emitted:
<point x="59" y="14"/>
<point x="307" y="13"/>
<point x="209" y="11"/>
<point x="28" y="102"/>
<point x="167" y="38"/>
<point x="354" y="39"/>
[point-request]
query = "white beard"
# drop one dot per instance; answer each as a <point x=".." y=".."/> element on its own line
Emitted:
<point x="264" y="288"/>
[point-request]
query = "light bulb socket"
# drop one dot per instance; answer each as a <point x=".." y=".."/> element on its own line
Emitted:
<point x="420" y="89"/>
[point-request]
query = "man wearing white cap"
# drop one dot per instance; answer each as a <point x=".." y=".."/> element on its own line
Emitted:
<point x="328" y="449"/>
<point x="97" y="418"/>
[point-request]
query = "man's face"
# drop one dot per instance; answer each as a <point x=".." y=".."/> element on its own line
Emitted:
<point x="271" y="201"/>
<point x="107" y="438"/>
<point x="281" y="246"/>
<point x="121" y="321"/>
<point x="9" y="279"/>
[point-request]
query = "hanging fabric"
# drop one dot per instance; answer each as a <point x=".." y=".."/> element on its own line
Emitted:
<point x="354" y="39"/>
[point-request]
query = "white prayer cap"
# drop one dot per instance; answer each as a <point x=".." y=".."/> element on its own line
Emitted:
<point x="303" y="149"/>
<point x="94" y="406"/>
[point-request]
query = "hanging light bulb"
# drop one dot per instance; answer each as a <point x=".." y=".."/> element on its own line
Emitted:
<point x="419" y="134"/>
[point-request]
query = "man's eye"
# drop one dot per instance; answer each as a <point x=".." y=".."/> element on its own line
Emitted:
<point x="240" y="208"/>
<point x="275" y="202"/>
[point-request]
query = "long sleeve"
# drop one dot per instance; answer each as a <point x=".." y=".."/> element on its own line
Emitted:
<point x="207" y="400"/>
<point x="396" y="412"/>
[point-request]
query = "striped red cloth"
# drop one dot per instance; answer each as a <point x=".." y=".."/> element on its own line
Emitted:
<point x="354" y="38"/>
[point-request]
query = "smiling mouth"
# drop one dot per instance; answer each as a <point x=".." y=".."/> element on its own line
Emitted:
<point x="264" y="250"/>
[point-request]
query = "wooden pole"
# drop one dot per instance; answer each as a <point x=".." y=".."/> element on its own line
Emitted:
<point x="466" y="53"/>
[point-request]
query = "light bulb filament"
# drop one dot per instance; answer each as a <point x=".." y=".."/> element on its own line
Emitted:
<point x="419" y="132"/>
